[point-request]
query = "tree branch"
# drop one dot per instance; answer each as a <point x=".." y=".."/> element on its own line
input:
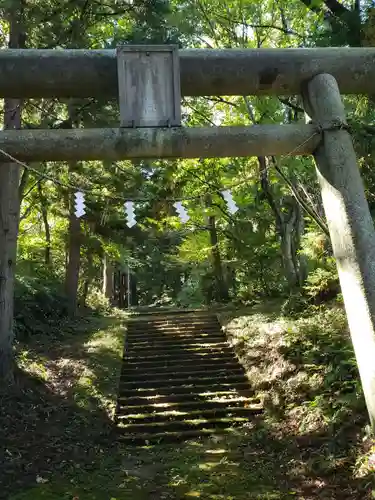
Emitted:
<point x="291" y="105"/>
<point x="219" y="99"/>
<point x="283" y="29"/>
<point x="263" y="175"/>
<point x="26" y="212"/>
<point x="310" y="211"/>
<point x="335" y="7"/>
<point x="22" y="184"/>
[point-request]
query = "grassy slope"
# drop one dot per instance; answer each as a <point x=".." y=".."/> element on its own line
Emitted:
<point x="57" y="426"/>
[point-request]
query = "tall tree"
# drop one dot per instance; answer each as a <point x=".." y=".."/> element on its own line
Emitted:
<point x="9" y="207"/>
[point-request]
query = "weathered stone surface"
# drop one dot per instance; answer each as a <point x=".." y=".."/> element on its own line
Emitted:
<point x="119" y="144"/>
<point x="93" y="73"/>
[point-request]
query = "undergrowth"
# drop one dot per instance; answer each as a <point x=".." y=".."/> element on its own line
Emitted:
<point x="305" y="371"/>
<point x="40" y="304"/>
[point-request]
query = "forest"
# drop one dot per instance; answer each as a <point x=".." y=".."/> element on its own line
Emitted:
<point x="79" y="269"/>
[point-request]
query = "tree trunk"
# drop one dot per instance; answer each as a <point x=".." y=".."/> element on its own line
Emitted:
<point x="88" y="279"/>
<point x="107" y="278"/>
<point x="74" y="259"/>
<point x="9" y="214"/>
<point x="290" y="238"/>
<point x="221" y="291"/>
<point x="47" y="231"/>
<point x="288" y="257"/>
<point x="300" y="260"/>
<point x="289" y="226"/>
<point x="133" y="290"/>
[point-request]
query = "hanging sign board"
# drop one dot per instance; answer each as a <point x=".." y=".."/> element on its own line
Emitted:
<point x="149" y="85"/>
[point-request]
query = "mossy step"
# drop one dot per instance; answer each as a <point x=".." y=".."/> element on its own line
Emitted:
<point x="168" y="310"/>
<point x="175" y="374"/>
<point x="123" y="406"/>
<point x="145" y="439"/>
<point x="135" y="370"/>
<point x="165" y="343"/>
<point x="177" y="313"/>
<point x="140" y="327"/>
<point x="183" y="382"/>
<point x="175" y="339"/>
<point x="179" y="415"/>
<point x="183" y="364"/>
<point x="172" y="336"/>
<point x="180" y="361"/>
<point x="158" y="322"/>
<point x="171" y="330"/>
<point x="177" y="347"/>
<point x="196" y="354"/>
<point x="176" y="352"/>
<point x="197" y="392"/>
<point x="184" y="425"/>
<point x="172" y="320"/>
<point x="176" y="332"/>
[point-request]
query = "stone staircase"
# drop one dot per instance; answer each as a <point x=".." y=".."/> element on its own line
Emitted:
<point x="180" y="379"/>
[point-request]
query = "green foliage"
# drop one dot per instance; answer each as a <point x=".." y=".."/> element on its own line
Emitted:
<point x="191" y="293"/>
<point x="294" y="305"/>
<point x="321" y="341"/>
<point x="97" y="302"/>
<point x="322" y="284"/>
<point x="160" y="249"/>
<point x="40" y="303"/>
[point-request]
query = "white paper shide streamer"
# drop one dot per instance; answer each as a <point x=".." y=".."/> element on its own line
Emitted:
<point x="79" y="204"/>
<point x="232" y="207"/>
<point x="181" y="210"/>
<point x="130" y="215"/>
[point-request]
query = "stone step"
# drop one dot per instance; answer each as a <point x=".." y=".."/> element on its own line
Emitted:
<point x="185" y="425"/>
<point x="166" y="342"/>
<point x="173" y="326"/>
<point x="191" y="381"/>
<point x="157" y="315"/>
<point x="184" y="378"/>
<point x="175" y="338"/>
<point x="171" y="394"/>
<point x="172" y="330"/>
<point x="160" y="322"/>
<point x="188" y="415"/>
<point x="180" y="361"/>
<point x="142" y="337"/>
<point x="145" y="439"/>
<point x="180" y="379"/>
<point x="176" y="355"/>
<point x="125" y="408"/>
<point x="136" y="370"/>
<point x="173" y="347"/>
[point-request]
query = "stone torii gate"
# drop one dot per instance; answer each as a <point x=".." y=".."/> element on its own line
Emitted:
<point x="149" y="81"/>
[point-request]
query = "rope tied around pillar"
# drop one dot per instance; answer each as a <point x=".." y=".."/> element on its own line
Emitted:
<point x="332" y="125"/>
<point x="329" y="126"/>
